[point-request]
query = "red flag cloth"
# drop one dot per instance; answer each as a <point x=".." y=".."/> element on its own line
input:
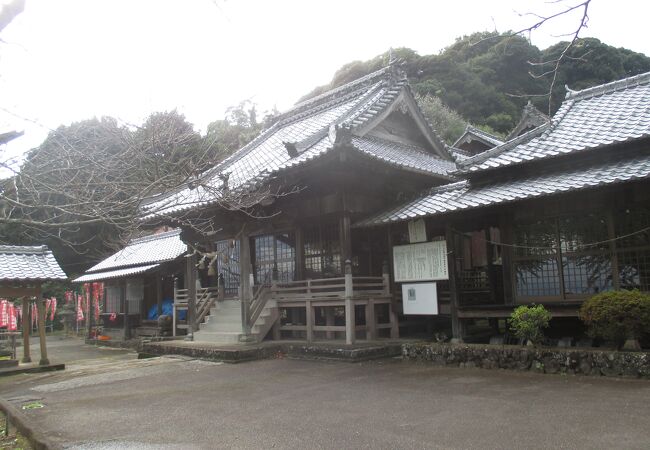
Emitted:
<point x="87" y="292"/>
<point x="13" y="324"/>
<point x="80" y="311"/>
<point x="96" y="301"/>
<point x="34" y="314"/>
<point x="48" y="303"/>
<point x="69" y="297"/>
<point x="4" y="317"/>
<point x="53" y="307"/>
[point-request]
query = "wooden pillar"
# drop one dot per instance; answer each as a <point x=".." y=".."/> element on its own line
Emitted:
<point x="190" y="285"/>
<point x="350" y="329"/>
<point x="489" y="251"/>
<point x="27" y="323"/>
<point x="174" y="304"/>
<point x="371" y="321"/>
<point x="392" y="315"/>
<point x="346" y="238"/>
<point x="507" y="237"/>
<point x="329" y="321"/>
<point x="300" y="256"/>
<point x="454" y="287"/>
<point x="125" y="308"/>
<point x="309" y="321"/>
<point x="90" y="316"/>
<point x="245" y="283"/>
<point x="40" y="307"/>
<point x="159" y="295"/>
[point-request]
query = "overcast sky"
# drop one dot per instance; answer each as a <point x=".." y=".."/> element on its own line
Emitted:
<point x="67" y="60"/>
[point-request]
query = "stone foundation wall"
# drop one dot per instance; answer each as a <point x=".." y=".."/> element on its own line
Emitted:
<point x="543" y="360"/>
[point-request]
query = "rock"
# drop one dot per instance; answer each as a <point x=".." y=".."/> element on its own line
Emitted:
<point x="551" y="365"/>
<point x="585" y="367"/>
<point x="537" y="367"/>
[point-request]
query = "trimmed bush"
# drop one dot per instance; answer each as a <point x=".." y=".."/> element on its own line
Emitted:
<point x="528" y="322"/>
<point x="617" y="315"/>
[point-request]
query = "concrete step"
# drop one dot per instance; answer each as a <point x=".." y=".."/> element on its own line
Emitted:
<point x="226" y="337"/>
<point x="221" y="327"/>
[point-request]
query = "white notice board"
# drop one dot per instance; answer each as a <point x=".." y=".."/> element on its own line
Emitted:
<point x="421" y="262"/>
<point x="420" y="298"/>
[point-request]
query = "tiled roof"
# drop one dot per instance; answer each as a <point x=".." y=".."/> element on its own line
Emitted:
<point x="472" y="133"/>
<point x="461" y="196"/>
<point x="600" y="116"/>
<point x="409" y="157"/>
<point x="20" y="263"/>
<point x="110" y="274"/>
<point x="156" y="248"/>
<point x="308" y="128"/>
<point x="531" y="117"/>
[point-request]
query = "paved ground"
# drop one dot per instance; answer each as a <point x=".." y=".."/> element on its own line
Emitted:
<point x="110" y="400"/>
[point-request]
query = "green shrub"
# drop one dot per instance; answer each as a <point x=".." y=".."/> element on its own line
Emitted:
<point x="527" y="322"/>
<point x="617" y="315"/>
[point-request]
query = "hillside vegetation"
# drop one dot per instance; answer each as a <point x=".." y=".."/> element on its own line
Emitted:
<point x="486" y="78"/>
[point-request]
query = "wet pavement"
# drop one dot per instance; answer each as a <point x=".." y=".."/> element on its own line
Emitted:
<point x="107" y="399"/>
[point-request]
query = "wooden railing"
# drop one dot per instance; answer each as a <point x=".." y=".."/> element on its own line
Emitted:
<point x="205" y="299"/>
<point x="258" y="302"/>
<point x="332" y="288"/>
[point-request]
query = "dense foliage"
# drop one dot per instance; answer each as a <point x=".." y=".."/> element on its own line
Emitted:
<point x="617" y="315"/>
<point x="528" y="323"/>
<point x="486" y="78"/>
<point x="90" y="177"/>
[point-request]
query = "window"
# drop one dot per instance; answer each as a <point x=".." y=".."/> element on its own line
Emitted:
<point x="322" y="251"/>
<point x="113" y="304"/>
<point x="555" y="258"/>
<point x="228" y="264"/>
<point x="633" y="250"/>
<point x="274" y="251"/>
<point x="134" y="295"/>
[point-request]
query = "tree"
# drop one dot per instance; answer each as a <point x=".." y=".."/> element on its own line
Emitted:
<point x="447" y="122"/>
<point x="80" y="191"/>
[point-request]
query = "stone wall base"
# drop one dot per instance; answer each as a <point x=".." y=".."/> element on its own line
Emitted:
<point x="542" y="360"/>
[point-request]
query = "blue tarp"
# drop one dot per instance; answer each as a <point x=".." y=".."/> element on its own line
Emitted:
<point x="167" y="310"/>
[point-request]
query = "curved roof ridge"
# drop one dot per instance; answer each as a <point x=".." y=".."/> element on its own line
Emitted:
<point x="335" y="91"/>
<point x="535" y="132"/>
<point x="25" y="249"/>
<point x="607" y="88"/>
<point x="156" y="236"/>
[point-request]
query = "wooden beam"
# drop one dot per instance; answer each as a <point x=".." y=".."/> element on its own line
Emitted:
<point x="27" y="358"/>
<point x="350" y="332"/>
<point x="19" y="291"/>
<point x="309" y="313"/>
<point x="40" y="307"/>
<point x="125" y="308"/>
<point x="190" y="285"/>
<point x="159" y="294"/>
<point x="371" y="321"/>
<point x="454" y="286"/>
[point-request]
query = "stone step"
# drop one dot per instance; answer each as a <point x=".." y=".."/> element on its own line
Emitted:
<point x="230" y="337"/>
<point x="221" y="327"/>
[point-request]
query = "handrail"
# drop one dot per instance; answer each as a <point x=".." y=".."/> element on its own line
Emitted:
<point x="205" y="302"/>
<point x="258" y="303"/>
<point x="329" y="287"/>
